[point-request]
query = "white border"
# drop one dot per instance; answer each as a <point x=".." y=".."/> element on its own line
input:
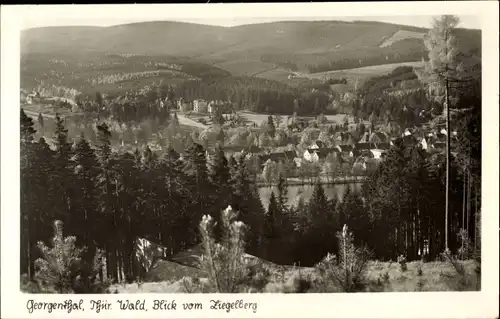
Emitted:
<point x="482" y="304"/>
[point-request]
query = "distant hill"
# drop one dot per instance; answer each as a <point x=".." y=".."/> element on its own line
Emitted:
<point x="266" y="46"/>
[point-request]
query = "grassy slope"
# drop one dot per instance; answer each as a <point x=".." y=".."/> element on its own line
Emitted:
<point x="436" y="276"/>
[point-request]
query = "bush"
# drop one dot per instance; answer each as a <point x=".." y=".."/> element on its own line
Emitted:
<point x="402" y="263"/>
<point x="349" y="269"/>
<point x="225" y="263"/>
<point x="419" y="269"/>
<point x="62" y="269"/>
<point x="296" y="283"/>
<point x="60" y="263"/>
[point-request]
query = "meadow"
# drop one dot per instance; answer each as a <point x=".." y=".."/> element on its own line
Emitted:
<point x="170" y="277"/>
<point x="362" y="73"/>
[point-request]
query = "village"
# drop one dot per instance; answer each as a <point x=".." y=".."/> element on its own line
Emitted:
<point x="343" y="152"/>
<point x="331" y="149"/>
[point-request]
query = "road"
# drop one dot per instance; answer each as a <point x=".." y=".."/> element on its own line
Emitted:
<point x="187" y="121"/>
<point x="35" y="114"/>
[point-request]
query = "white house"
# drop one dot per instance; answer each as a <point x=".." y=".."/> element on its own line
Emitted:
<point x="423" y="144"/>
<point x="200" y="106"/>
<point x="317" y="145"/>
<point x="311" y="156"/>
<point x="213" y="106"/>
<point x="377" y="153"/>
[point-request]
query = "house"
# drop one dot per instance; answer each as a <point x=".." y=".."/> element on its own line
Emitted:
<point x="345" y="149"/>
<point x="317" y="154"/>
<point x="278" y="157"/>
<point x="407" y="132"/>
<point x="317" y="145"/>
<point x="298" y="161"/>
<point x="423" y="143"/>
<point x="382" y="146"/>
<point x="347" y="138"/>
<point x="377" y="153"/>
<point x="364" y="146"/>
<point x="364" y="165"/>
<point x="30" y="98"/>
<point x="378" y="137"/>
<point x="200" y="106"/>
<point x="213" y="106"/>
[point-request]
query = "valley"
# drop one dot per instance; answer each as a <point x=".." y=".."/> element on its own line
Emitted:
<point x="140" y="137"/>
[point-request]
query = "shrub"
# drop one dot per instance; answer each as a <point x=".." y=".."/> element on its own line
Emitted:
<point x="349" y="269"/>
<point x="194" y="285"/>
<point x="60" y="263"/>
<point x="296" y="283"/>
<point x="386" y="276"/>
<point x="419" y="268"/>
<point x="62" y="268"/>
<point x="224" y="262"/>
<point x="402" y="263"/>
<point x="457" y="264"/>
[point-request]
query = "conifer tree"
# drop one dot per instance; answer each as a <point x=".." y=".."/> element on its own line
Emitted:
<point x="439" y="74"/>
<point x="271" y="129"/>
<point x="86" y="198"/>
<point x="28" y="239"/>
<point x="63" y="171"/>
<point x="271" y="227"/>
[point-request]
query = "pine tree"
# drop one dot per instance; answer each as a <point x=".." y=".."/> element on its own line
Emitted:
<point x="220" y="179"/>
<point x="107" y="228"/>
<point x="271" y="129"/>
<point x="271" y="228"/>
<point x="86" y="198"/>
<point x="28" y="238"/>
<point x="41" y="123"/>
<point x="63" y="171"/>
<point x="282" y="191"/>
<point x="247" y="202"/>
<point x="439" y="74"/>
<point x="195" y="167"/>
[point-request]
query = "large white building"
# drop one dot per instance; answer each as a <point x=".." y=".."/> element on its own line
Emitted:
<point x="200" y="106"/>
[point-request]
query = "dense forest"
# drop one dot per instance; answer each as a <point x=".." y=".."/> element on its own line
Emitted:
<point x="107" y="199"/>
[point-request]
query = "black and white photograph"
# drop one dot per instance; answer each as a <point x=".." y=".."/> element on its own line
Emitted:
<point x="232" y="155"/>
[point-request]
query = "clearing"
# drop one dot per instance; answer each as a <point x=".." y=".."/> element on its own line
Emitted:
<point x="360" y="73"/>
<point x="401" y="35"/>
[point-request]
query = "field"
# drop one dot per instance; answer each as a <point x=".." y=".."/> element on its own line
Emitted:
<point x="401" y="35"/>
<point x="360" y="73"/>
<point x="281" y="76"/>
<point x="380" y="277"/>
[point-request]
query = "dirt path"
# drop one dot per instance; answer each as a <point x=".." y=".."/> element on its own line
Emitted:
<point x="187" y="121"/>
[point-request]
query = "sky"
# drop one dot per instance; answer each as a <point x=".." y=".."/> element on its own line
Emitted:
<point x="232" y="14"/>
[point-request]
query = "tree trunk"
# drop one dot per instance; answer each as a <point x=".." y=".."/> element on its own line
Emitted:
<point x="464" y="199"/>
<point x="448" y="153"/>
<point x="468" y="202"/>
<point x="31" y="262"/>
